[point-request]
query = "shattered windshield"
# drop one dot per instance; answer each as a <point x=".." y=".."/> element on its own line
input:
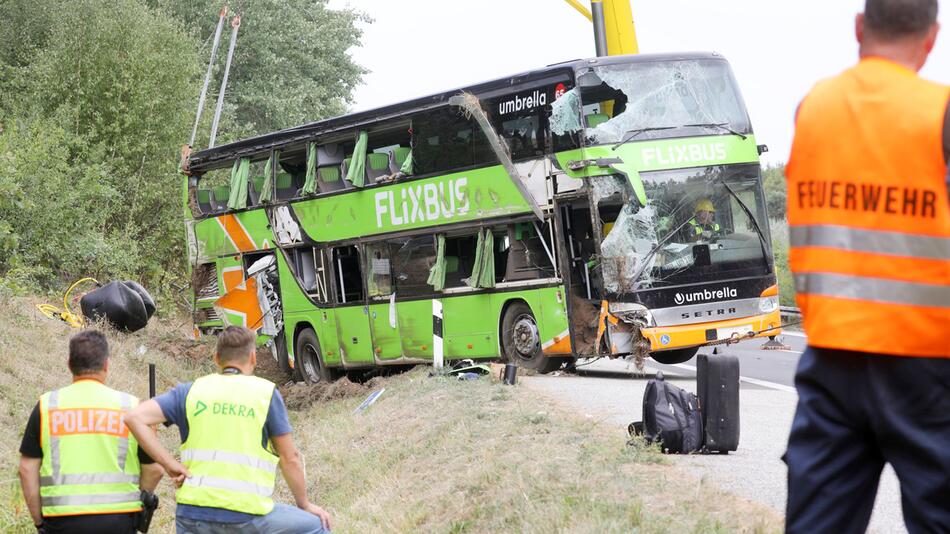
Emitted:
<point x="661" y="98"/>
<point x="696" y="225"/>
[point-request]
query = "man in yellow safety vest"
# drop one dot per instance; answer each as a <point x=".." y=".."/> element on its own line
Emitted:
<point x="703" y="223"/>
<point x="235" y="434"/>
<point x="80" y="470"/>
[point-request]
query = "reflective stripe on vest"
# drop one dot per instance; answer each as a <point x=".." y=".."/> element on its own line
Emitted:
<point x="224" y="453"/>
<point x="869" y="214"/>
<point x="86" y="467"/>
<point x="698" y="228"/>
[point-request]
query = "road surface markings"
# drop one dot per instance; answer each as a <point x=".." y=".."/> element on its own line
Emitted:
<point x="753" y="381"/>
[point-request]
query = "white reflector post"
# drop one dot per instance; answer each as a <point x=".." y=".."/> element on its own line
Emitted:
<point x="437" y="359"/>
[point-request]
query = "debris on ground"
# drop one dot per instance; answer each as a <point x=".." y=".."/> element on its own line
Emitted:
<point x="299" y="396"/>
<point x="369" y="400"/>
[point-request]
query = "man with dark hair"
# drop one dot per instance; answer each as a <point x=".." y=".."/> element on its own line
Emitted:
<point x="234" y="433"/>
<point x="869" y="225"/>
<point x="80" y="470"/>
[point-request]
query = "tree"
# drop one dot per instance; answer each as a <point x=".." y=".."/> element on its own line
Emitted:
<point x="773" y="180"/>
<point x="91" y="142"/>
<point x="290" y="66"/>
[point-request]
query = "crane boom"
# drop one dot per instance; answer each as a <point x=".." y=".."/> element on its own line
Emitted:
<point x="618" y="25"/>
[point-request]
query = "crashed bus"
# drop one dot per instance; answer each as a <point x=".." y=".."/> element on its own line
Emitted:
<point x="537" y="218"/>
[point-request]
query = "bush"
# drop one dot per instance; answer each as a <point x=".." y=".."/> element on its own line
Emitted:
<point x="786" y="284"/>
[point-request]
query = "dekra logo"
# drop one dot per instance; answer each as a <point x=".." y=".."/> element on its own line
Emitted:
<point x="704" y="295"/>
<point x="224" y="408"/>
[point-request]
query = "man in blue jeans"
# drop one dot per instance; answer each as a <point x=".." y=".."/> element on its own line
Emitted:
<point x="235" y="433"/>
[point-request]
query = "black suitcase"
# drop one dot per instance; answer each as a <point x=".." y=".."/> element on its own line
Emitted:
<point x="717" y="382"/>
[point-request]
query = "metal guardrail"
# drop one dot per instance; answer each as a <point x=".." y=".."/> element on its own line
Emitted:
<point x="790" y="314"/>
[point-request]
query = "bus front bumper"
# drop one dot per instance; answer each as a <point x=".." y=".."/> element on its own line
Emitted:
<point x="676" y="337"/>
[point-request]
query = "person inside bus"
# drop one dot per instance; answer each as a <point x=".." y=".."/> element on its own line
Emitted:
<point x="703" y="224"/>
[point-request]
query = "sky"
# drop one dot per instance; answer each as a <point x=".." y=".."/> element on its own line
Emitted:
<point x="777" y="49"/>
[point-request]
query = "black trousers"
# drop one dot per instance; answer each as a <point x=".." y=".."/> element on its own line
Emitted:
<point x="855" y="412"/>
<point x="91" y="524"/>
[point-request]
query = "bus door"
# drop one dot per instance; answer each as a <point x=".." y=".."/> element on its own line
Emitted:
<point x="468" y="323"/>
<point x="352" y="314"/>
<point x="383" y="320"/>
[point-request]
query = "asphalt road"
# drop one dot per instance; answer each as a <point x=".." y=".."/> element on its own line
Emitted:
<point x="612" y="392"/>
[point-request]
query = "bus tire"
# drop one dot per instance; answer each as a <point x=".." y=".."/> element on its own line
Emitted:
<point x="521" y="340"/>
<point x="670" y="357"/>
<point x="309" y="359"/>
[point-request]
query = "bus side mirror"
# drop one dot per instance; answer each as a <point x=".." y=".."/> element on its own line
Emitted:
<point x="589" y="79"/>
<point x="762" y="149"/>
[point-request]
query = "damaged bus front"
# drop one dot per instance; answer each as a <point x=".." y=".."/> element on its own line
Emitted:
<point x="666" y="231"/>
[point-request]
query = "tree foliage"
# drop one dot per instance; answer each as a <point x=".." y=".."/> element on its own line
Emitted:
<point x="96" y="99"/>
<point x="773" y="181"/>
<point x="290" y="65"/>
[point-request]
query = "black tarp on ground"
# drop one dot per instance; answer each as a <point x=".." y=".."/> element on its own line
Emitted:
<point x="127" y="305"/>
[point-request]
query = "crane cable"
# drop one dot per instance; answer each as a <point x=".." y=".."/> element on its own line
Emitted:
<point x="72" y="319"/>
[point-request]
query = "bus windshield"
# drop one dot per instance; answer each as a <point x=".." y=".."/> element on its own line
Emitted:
<point x="699" y="224"/>
<point x="652" y="99"/>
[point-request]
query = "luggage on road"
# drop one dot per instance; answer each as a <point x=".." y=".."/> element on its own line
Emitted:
<point x="717" y="382"/>
<point x="671" y="417"/>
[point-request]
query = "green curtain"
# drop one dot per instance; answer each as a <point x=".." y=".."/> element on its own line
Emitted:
<point x="437" y="271"/>
<point x="356" y="174"/>
<point x="407" y="165"/>
<point x="267" y="190"/>
<point x="483" y="272"/>
<point x="238" y="198"/>
<point x="310" y="185"/>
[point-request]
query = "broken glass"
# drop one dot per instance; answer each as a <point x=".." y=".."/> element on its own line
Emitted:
<point x="699" y="224"/>
<point x="626" y="248"/>
<point x="663" y="94"/>
<point x="566" y="113"/>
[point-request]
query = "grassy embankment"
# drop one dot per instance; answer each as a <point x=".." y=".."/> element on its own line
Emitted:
<point x="432" y="455"/>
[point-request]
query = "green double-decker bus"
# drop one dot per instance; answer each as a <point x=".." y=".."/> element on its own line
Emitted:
<point x="600" y="207"/>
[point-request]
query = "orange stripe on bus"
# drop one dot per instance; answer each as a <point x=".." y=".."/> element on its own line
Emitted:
<point x="239" y="237"/>
<point x="73" y="421"/>
<point x="243" y="300"/>
<point x="232" y="278"/>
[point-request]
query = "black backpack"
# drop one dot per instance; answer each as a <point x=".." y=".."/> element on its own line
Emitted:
<point x="671" y="417"/>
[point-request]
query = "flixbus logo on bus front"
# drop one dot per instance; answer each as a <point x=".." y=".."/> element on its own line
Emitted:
<point x="683" y="154"/>
<point x="410" y="204"/>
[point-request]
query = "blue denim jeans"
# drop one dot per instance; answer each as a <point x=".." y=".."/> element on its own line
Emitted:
<point x="283" y="519"/>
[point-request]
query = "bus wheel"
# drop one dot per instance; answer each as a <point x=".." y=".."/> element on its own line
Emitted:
<point x="521" y="340"/>
<point x="309" y="362"/>
<point x="670" y="357"/>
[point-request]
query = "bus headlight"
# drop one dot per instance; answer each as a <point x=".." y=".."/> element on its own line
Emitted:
<point x="768" y="304"/>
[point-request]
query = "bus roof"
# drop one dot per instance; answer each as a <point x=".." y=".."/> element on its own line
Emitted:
<point x="219" y="156"/>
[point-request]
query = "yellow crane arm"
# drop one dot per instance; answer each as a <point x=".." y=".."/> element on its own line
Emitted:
<point x="618" y="22"/>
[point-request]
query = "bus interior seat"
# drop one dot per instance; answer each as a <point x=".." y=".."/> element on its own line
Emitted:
<point x="257" y="186"/>
<point x="285" y="186"/>
<point x="594" y="119"/>
<point x="377" y="165"/>
<point x="203" y="196"/>
<point x="328" y="179"/>
<point x="453" y="278"/>
<point x="303" y="260"/>
<point x="397" y="158"/>
<point x="330" y="154"/>
<point x="219" y="198"/>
